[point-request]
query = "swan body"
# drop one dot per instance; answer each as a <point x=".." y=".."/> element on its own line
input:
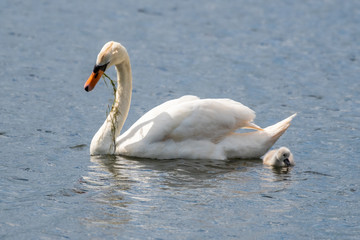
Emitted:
<point x="187" y="127"/>
<point x="281" y="157"/>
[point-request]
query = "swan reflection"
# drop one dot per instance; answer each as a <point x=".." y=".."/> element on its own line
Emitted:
<point x="126" y="188"/>
<point x="123" y="172"/>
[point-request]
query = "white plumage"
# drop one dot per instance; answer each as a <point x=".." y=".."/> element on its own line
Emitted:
<point x="187" y="127"/>
<point x="281" y="157"/>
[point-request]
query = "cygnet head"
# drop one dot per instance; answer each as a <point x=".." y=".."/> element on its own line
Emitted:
<point x="281" y="157"/>
<point x="112" y="53"/>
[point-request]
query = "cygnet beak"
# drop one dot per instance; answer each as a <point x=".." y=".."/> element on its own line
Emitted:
<point x="287" y="162"/>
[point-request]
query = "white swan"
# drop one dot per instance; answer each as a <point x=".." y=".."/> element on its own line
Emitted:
<point x="281" y="157"/>
<point x="187" y="127"/>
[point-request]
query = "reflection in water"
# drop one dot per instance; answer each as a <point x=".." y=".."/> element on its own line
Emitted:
<point x="125" y="189"/>
<point x="169" y="173"/>
<point x="108" y="187"/>
<point x="282" y="173"/>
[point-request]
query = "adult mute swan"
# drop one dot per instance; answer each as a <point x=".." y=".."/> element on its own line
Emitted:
<point x="187" y="127"/>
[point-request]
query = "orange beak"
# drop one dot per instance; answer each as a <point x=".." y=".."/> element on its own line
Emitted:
<point x="93" y="80"/>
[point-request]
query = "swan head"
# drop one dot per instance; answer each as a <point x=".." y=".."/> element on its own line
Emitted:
<point x="112" y="53"/>
<point x="284" y="157"/>
<point x="281" y="157"/>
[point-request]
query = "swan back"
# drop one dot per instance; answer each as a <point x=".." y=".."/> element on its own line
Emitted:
<point x="191" y="118"/>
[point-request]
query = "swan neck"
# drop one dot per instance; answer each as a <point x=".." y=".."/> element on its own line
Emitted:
<point x="121" y="106"/>
<point x="104" y="141"/>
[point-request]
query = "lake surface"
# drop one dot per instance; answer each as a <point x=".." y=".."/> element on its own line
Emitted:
<point x="277" y="57"/>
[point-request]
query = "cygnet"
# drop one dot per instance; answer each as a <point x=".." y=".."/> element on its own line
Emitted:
<point x="281" y="157"/>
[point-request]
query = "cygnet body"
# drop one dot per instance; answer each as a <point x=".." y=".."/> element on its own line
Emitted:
<point x="281" y="157"/>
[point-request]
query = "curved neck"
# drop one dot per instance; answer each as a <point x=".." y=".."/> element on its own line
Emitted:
<point x="121" y="105"/>
<point x="104" y="140"/>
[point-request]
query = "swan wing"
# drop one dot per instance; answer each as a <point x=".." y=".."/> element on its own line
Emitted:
<point x="154" y="117"/>
<point x="190" y="118"/>
<point x="156" y="111"/>
<point x="208" y="119"/>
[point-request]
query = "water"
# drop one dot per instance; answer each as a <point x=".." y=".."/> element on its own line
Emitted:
<point x="277" y="57"/>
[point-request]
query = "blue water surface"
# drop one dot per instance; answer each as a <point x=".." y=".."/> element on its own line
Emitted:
<point x="277" y="57"/>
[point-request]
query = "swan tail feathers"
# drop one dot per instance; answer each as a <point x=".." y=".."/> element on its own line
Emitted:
<point x="275" y="131"/>
<point x="253" y="126"/>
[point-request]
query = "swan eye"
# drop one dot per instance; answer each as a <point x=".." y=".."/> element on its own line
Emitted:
<point x="98" y="67"/>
